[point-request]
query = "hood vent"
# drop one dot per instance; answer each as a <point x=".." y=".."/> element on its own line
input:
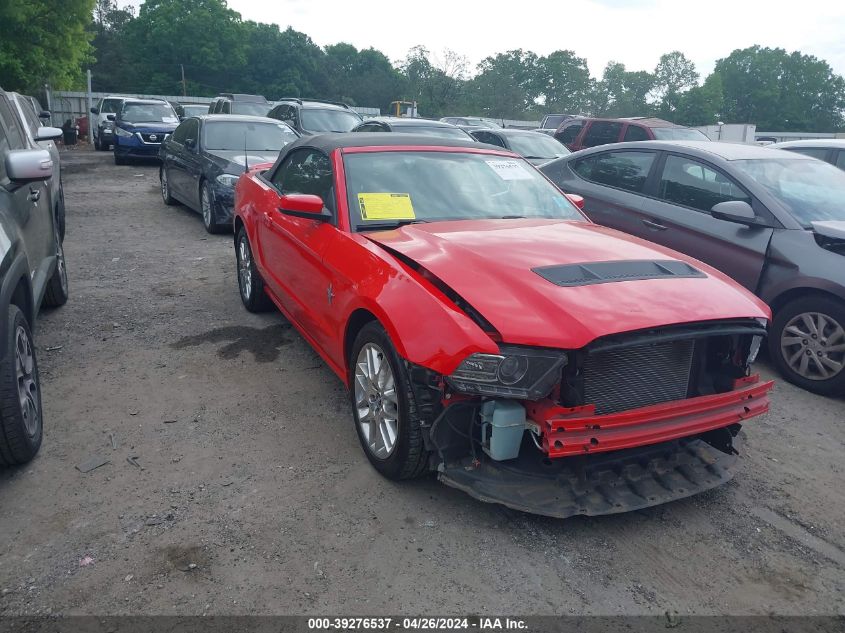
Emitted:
<point x="606" y="272"/>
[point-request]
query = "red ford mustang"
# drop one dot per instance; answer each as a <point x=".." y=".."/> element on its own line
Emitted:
<point x="489" y="332"/>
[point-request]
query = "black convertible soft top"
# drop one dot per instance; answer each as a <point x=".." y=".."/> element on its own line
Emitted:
<point x="329" y="142"/>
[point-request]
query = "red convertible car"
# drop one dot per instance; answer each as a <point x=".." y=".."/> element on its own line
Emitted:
<point x="489" y="332"/>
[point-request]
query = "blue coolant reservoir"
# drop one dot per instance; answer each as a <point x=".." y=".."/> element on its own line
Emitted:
<point x="502" y="426"/>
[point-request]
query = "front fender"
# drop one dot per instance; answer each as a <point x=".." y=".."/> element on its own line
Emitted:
<point x="426" y="328"/>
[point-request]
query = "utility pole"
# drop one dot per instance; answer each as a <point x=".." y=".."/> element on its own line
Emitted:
<point x="90" y="119"/>
<point x="184" y="89"/>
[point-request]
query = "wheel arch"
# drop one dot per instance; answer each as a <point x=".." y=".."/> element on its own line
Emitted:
<point x="801" y="292"/>
<point x="356" y="321"/>
<point x="16" y="290"/>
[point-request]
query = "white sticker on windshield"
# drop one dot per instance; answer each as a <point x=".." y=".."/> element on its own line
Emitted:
<point x="509" y="169"/>
<point x="169" y="119"/>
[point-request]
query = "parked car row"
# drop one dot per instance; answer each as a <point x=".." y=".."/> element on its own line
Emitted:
<point x="32" y="268"/>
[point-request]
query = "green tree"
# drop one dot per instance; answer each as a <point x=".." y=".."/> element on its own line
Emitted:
<point x="45" y="41"/>
<point x="279" y="63"/>
<point x="111" y="54"/>
<point x="621" y="92"/>
<point x="203" y="36"/>
<point x="438" y="87"/>
<point x="701" y="105"/>
<point x="364" y="77"/>
<point x="507" y="84"/>
<point x="564" y="82"/>
<point x="673" y="75"/>
<point x="777" y="90"/>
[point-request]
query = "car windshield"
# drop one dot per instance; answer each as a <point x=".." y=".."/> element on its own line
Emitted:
<point x="193" y="110"/>
<point x="432" y="130"/>
<point x="148" y="113"/>
<point x="483" y="123"/>
<point x="678" y="134"/>
<point x="554" y="120"/>
<point x="395" y="187"/>
<point x="110" y="106"/>
<point x="326" y="120"/>
<point x="240" y="135"/>
<point x="810" y="189"/>
<point x="533" y="145"/>
<point x="253" y="108"/>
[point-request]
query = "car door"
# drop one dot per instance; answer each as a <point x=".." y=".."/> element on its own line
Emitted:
<point x="29" y="203"/>
<point x="677" y="215"/>
<point x="601" y="133"/>
<point x="292" y="248"/>
<point x="612" y="185"/>
<point x="176" y="160"/>
<point x="569" y="133"/>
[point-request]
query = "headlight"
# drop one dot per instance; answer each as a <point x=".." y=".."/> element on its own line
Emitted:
<point x="228" y="180"/>
<point x="515" y="372"/>
<point x="119" y="131"/>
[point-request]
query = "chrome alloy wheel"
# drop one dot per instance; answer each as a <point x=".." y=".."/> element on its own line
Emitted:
<point x="376" y="401"/>
<point x="813" y="345"/>
<point x="27" y="376"/>
<point x="245" y="268"/>
<point x="165" y="191"/>
<point x="206" y="206"/>
<point x="61" y="267"/>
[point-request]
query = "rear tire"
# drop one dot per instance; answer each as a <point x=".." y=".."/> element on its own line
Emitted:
<point x="56" y="293"/>
<point x="807" y="341"/>
<point x="21" y="424"/>
<point x="250" y="283"/>
<point x="165" y="187"/>
<point x="209" y="220"/>
<point x="384" y="407"/>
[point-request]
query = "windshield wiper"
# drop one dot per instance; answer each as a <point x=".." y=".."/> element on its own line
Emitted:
<point x="511" y="217"/>
<point x="386" y="226"/>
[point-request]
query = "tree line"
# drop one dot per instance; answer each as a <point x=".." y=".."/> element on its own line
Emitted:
<point x="216" y="50"/>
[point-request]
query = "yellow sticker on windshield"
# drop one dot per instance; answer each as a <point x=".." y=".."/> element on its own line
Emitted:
<point x="386" y="206"/>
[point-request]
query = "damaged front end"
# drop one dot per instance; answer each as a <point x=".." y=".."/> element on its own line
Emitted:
<point x="630" y="421"/>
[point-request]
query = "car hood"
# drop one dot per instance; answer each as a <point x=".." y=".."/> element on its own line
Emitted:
<point x="489" y="264"/>
<point x="234" y="159"/>
<point x="151" y="127"/>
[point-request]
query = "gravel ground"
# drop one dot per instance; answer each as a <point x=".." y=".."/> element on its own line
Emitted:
<point x="249" y="492"/>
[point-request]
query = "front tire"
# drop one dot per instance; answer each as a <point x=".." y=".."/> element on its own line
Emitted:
<point x="118" y="159"/>
<point x="807" y="344"/>
<point x="56" y="293"/>
<point x="209" y="221"/>
<point x="384" y="407"/>
<point x="21" y="427"/>
<point x="250" y="283"/>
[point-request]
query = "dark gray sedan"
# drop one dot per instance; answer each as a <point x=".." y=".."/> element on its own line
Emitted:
<point x="772" y="220"/>
<point x="537" y="149"/>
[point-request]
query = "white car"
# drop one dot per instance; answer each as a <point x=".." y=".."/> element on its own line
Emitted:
<point x="103" y="128"/>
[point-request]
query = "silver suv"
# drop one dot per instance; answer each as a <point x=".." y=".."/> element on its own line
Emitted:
<point x="32" y="273"/>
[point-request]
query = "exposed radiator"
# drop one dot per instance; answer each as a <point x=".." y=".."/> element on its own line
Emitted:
<point x="632" y="377"/>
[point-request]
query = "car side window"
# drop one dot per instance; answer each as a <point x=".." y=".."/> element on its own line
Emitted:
<point x="690" y="183"/>
<point x="13" y="125"/>
<point x="635" y="133"/>
<point x="4" y="149"/>
<point x="569" y="133"/>
<point x="181" y="132"/>
<point x="192" y="129"/>
<point x="812" y="152"/>
<point x="623" y="170"/>
<point x="602" y="133"/>
<point x="493" y="139"/>
<point x="840" y="159"/>
<point x="307" y="171"/>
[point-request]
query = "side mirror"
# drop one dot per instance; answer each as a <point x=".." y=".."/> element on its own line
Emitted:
<point x="110" y="117"/>
<point x="737" y="211"/>
<point x="304" y="205"/>
<point x="575" y="199"/>
<point x="191" y="143"/>
<point x="29" y="165"/>
<point x="95" y="111"/>
<point x="48" y="133"/>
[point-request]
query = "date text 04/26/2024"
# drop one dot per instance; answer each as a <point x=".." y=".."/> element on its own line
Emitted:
<point x="417" y="624"/>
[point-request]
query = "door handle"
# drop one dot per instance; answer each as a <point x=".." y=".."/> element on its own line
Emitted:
<point x="656" y="226"/>
<point x="34" y="194"/>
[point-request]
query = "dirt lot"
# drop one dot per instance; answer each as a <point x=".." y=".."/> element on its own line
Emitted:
<point x="251" y="493"/>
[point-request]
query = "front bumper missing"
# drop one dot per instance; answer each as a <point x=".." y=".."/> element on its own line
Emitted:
<point x="569" y="431"/>
<point x="598" y="484"/>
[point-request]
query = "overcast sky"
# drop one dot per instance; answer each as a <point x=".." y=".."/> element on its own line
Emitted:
<point x="635" y="32"/>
